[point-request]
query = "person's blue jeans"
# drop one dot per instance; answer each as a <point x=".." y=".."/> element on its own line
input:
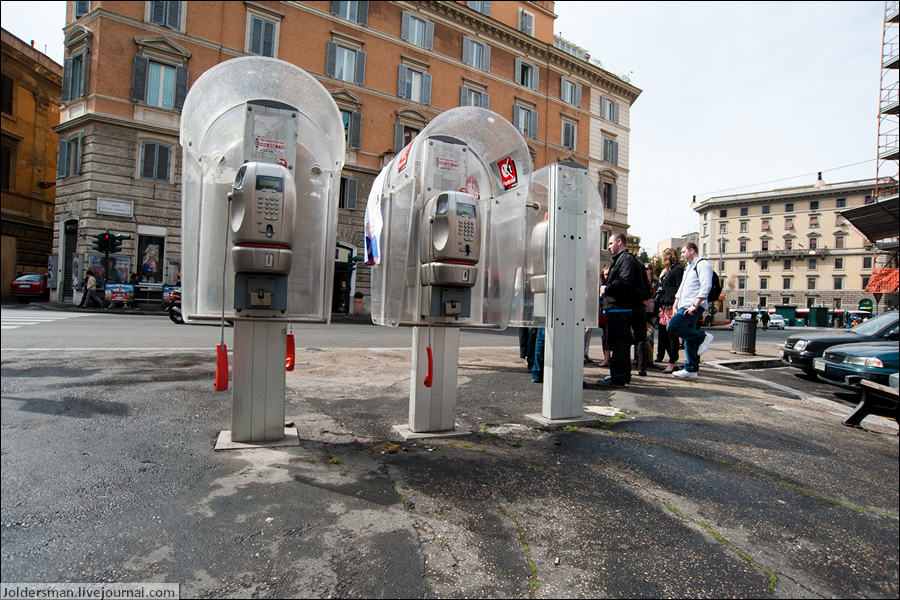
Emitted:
<point x="537" y="369"/>
<point x="684" y="326"/>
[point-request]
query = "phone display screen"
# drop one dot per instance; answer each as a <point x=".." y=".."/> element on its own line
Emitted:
<point x="465" y="209"/>
<point x="268" y="182"/>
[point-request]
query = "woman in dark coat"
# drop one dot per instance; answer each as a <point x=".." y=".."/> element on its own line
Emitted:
<point x="670" y="281"/>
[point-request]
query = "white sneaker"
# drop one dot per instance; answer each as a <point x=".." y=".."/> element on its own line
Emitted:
<point x="682" y="374"/>
<point x="704" y="345"/>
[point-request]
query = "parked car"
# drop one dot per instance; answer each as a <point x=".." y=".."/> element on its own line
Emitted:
<point x="874" y="361"/>
<point x="799" y="350"/>
<point x="776" y="322"/>
<point x="30" y="286"/>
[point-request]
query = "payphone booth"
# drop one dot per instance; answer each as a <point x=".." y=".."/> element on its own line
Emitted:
<point x="450" y="206"/>
<point x="263" y="146"/>
<point x="558" y="286"/>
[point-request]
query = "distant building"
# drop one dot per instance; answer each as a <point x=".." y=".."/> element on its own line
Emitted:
<point x="677" y="243"/>
<point x="30" y="108"/>
<point x="789" y="246"/>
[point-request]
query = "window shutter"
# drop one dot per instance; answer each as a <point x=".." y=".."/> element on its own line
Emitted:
<point x="350" y="198"/>
<point x="148" y="155"/>
<point x="162" y="163"/>
<point x="181" y="84"/>
<point x="486" y="65"/>
<point x="81" y="8"/>
<point x="614" y="189"/>
<point x="485" y="100"/>
<point x="330" y="57"/>
<point x="65" y="95"/>
<point x="426" y="88"/>
<point x="401" y="84"/>
<point x="404" y="27"/>
<point x="486" y="6"/>
<point x="518" y="74"/>
<point x="535" y="77"/>
<point x="268" y="39"/>
<point x="577" y="94"/>
<point x="255" y="36"/>
<point x="562" y="87"/>
<point x="158" y="13"/>
<point x="335" y="7"/>
<point x="173" y="18"/>
<point x="616" y="112"/>
<point x="466" y="50"/>
<point x="62" y="159"/>
<point x="85" y="72"/>
<point x="362" y="12"/>
<point x="139" y="78"/>
<point x="429" y="35"/>
<point x="533" y="126"/>
<point x="398" y="137"/>
<point x="76" y="158"/>
<point x="463" y="95"/>
<point x="515" y="119"/>
<point x="360" y="77"/>
<point x="355" y="130"/>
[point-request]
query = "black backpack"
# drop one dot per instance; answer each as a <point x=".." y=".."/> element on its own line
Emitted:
<point x="716" y="289"/>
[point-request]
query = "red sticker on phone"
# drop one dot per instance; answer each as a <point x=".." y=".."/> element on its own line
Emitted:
<point x="401" y="162"/>
<point x="508" y="176"/>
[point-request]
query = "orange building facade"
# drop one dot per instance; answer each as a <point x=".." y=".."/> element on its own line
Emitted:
<point x="391" y="67"/>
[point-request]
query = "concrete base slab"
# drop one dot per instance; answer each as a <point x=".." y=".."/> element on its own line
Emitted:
<point x="603" y="411"/>
<point x="291" y="438"/>
<point x="408" y="434"/>
<point x="562" y="422"/>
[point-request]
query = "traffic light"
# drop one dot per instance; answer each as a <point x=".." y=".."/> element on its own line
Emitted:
<point x="115" y="242"/>
<point x="101" y="242"/>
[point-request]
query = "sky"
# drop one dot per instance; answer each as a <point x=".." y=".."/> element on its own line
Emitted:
<point x="736" y="96"/>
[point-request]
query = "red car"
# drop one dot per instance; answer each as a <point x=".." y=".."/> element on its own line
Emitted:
<point x="32" y="285"/>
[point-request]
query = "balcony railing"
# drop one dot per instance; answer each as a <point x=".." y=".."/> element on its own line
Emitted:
<point x="794" y="253"/>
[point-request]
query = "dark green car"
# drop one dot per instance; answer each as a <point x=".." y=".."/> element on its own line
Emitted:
<point x="874" y="361"/>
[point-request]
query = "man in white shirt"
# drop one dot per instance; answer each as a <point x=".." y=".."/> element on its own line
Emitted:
<point x="690" y="301"/>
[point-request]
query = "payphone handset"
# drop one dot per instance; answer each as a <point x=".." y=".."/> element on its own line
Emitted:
<point x="536" y="267"/>
<point x="263" y="205"/>
<point x="450" y="240"/>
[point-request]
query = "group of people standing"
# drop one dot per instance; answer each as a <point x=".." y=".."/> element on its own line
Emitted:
<point x="633" y="303"/>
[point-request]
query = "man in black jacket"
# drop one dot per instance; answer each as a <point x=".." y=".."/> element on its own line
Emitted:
<point x="620" y="297"/>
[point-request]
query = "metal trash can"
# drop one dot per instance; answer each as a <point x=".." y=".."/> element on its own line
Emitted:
<point x="743" y="338"/>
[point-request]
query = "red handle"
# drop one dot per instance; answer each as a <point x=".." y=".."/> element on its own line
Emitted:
<point x="221" y="383"/>
<point x="430" y="376"/>
<point x="289" y="358"/>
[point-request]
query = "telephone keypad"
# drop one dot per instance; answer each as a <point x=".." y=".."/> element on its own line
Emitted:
<point x="270" y="207"/>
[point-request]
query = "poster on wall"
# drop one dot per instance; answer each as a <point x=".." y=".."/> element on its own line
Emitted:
<point x="77" y="271"/>
<point x="52" y="268"/>
<point x="173" y="275"/>
<point x="119" y="268"/>
<point x="150" y="254"/>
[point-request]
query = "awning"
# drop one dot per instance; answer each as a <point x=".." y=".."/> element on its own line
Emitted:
<point x="884" y="280"/>
<point x="876" y="221"/>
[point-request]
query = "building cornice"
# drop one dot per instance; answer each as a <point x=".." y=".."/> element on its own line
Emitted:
<point x="789" y="194"/>
<point x="94" y="117"/>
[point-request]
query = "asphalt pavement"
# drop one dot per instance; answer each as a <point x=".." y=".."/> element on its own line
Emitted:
<point x="728" y="486"/>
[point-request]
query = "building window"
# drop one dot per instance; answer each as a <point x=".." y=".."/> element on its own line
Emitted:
<point x="723" y="227"/>
<point x="569" y="91"/>
<point x="705" y="230"/>
<point x="568" y="135"/>
<point x="155" y="161"/>
<point x="762" y="301"/>
<point x="158" y="84"/>
<point x="788" y="264"/>
<point x="355" y="11"/>
<point x="605" y="237"/>
<point x="839" y="264"/>
<point x="416" y="31"/>
<point x="262" y="37"/>
<point x="868" y="200"/>
<point x="764" y="265"/>
<point x="475" y="54"/>
<point x="348" y="193"/>
<point x="742" y="246"/>
<point x="609" y="110"/>
<point x="744" y="212"/>
<point x="789" y="222"/>
<point x="836" y="303"/>
<point x="838" y="283"/>
<point x="840" y="203"/>
<point x="841" y="221"/>
<point x="346" y="64"/>
<point x="723" y="213"/>
<point x="82" y="8"/>
<point x="766" y="225"/>
<point x="813" y="243"/>
<point x="722" y="246"/>
<point x="867" y="262"/>
<point x="814" y="221"/>
<point x="526" y="74"/>
<point x="75" y="77"/>
<point x="68" y="159"/>
<point x="414" y="85"/>
<point x="785" y="283"/>
<point x="812" y="264"/>
<point x="763" y="283"/>
<point x="525" y="120"/>
<point x="789" y="207"/>
<point x="865" y="281"/>
<point x="810" y="302"/>
<point x="352" y="128"/>
<point x="7" y="163"/>
<point x="742" y="265"/>
<point x="608" y="192"/>
<point x="788" y="244"/>
<point x="764" y="245"/>
<point x="744" y="225"/>
<point x="766" y="209"/>
<point x="7" y="96"/>
<point x="740" y="301"/>
<point x="813" y="205"/>
<point x="721" y="266"/>
<point x="610" y="152"/>
<point x="785" y="299"/>
<point x="167" y="14"/>
<point x="482" y="6"/>
<point x="810" y="283"/>
<point x="472" y="97"/>
<point x="526" y="22"/>
<point x="838" y="241"/>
